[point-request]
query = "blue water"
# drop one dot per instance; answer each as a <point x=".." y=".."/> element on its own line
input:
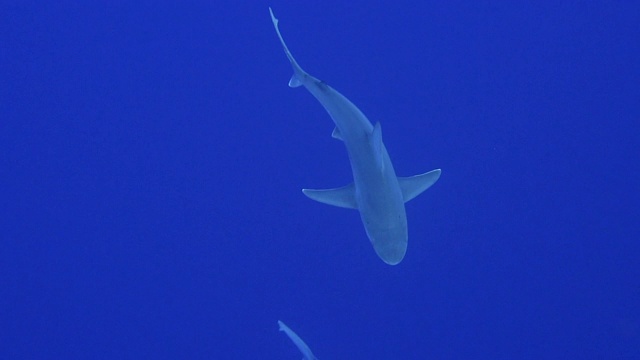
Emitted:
<point x="152" y="158"/>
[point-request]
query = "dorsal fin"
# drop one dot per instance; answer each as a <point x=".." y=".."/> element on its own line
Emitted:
<point x="376" y="144"/>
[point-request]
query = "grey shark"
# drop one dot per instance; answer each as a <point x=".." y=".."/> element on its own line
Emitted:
<point x="304" y="349"/>
<point x="376" y="191"/>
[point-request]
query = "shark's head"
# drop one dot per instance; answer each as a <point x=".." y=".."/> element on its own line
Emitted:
<point x="389" y="242"/>
<point x="385" y="221"/>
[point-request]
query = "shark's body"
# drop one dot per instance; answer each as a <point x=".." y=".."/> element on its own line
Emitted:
<point x="376" y="191"/>
<point x="304" y="349"/>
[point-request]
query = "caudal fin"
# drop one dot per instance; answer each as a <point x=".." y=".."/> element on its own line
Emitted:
<point x="298" y="73"/>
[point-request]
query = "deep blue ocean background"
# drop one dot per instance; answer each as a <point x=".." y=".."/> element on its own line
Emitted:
<point x="152" y="157"/>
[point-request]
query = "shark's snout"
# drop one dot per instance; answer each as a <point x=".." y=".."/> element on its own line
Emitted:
<point x="390" y="244"/>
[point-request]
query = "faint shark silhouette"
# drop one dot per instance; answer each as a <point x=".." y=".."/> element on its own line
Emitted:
<point x="304" y="349"/>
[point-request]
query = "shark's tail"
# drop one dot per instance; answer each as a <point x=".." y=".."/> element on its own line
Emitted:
<point x="298" y="74"/>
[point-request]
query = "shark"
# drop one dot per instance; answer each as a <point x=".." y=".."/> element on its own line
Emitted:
<point x="304" y="349"/>
<point x="376" y="192"/>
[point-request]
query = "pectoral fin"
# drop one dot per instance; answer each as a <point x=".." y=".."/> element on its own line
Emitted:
<point x="414" y="185"/>
<point x="344" y="197"/>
